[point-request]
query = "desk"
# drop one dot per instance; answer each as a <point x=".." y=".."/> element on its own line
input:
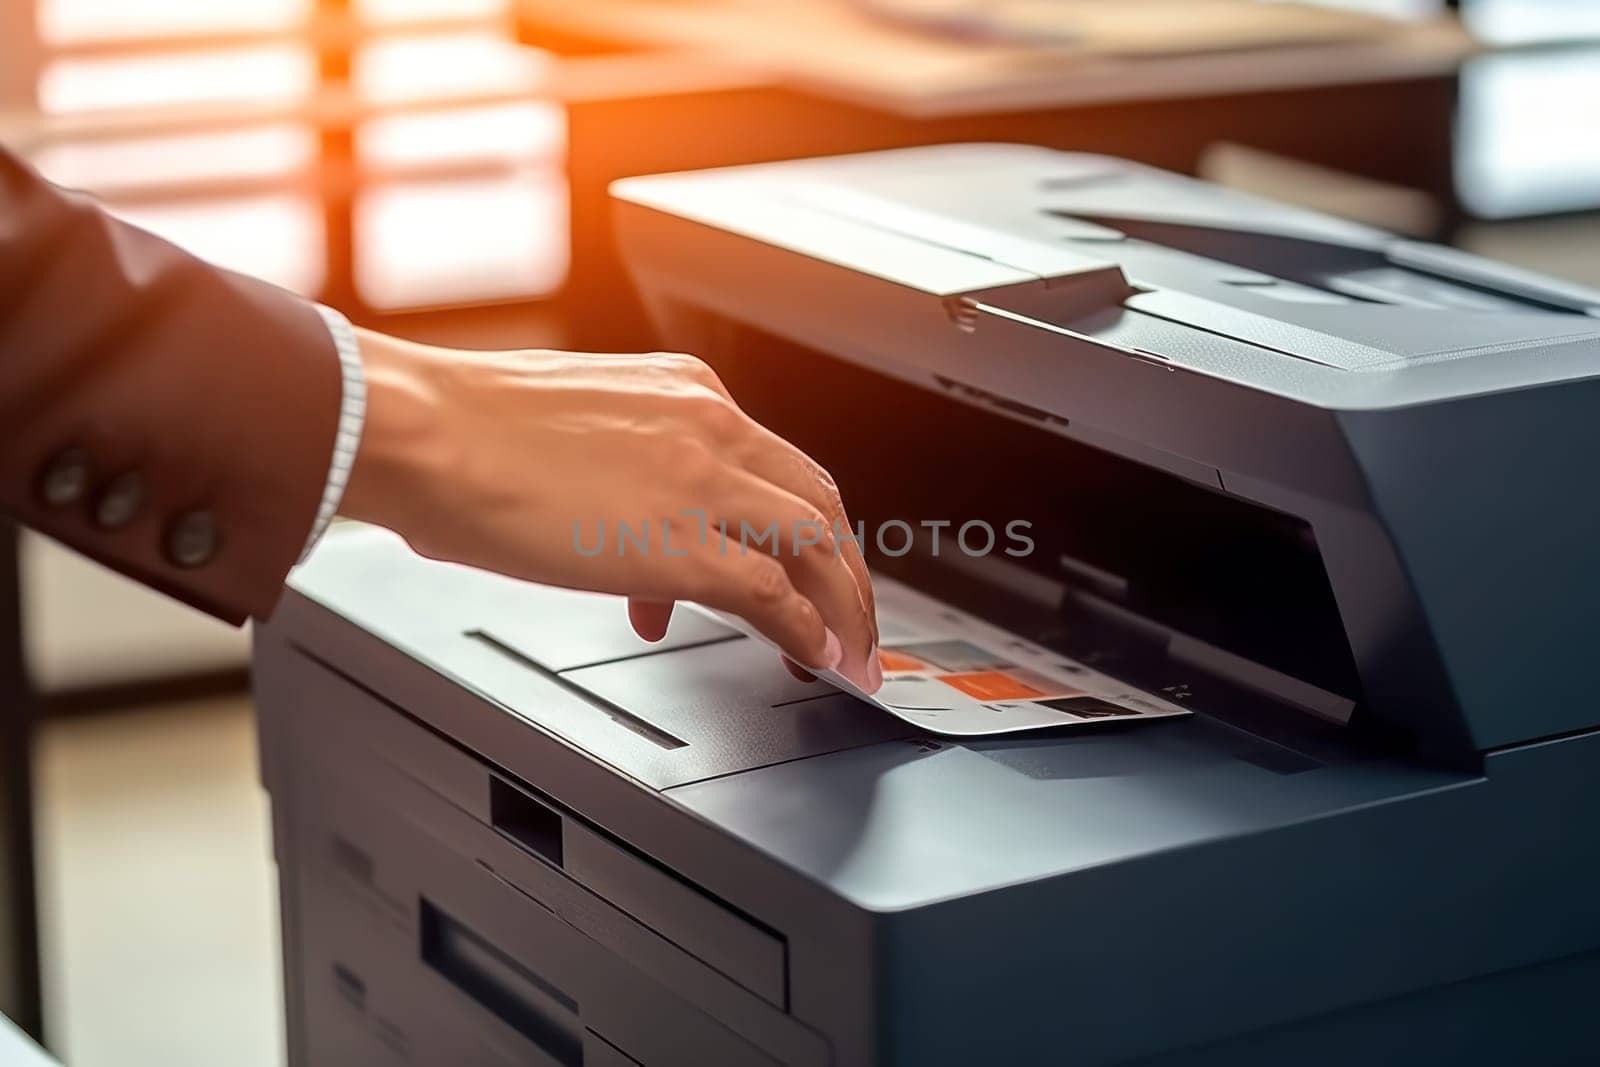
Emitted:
<point x="686" y="86"/>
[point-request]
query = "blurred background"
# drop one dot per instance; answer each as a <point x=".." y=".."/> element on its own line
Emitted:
<point x="437" y="169"/>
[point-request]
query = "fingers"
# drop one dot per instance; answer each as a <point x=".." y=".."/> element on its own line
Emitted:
<point x="798" y="671"/>
<point x="650" y="618"/>
<point x="758" y="478"/>
<point x="800" y="538"/>
<point x="781" y="463"/>
<point x="757" y="588"/>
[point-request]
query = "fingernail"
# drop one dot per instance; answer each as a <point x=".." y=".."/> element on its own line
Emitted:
<point x="874" y="670"/>
<point x="832" y="650"/>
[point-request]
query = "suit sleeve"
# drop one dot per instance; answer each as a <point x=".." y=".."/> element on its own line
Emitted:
<point x="169" y="419"/>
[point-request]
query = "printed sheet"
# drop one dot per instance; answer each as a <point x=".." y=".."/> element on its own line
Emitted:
<point x="952" y="673"/>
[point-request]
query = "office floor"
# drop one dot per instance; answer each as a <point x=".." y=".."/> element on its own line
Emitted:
<point x="158" y="890"/>
<point x="158" y="886"/>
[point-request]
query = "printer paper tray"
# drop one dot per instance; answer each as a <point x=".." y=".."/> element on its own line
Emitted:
<point x="473" y="805"/>
<point x="506" y="965"/>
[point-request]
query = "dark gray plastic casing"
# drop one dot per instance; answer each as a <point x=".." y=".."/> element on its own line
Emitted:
<point x="1436" y="442"/>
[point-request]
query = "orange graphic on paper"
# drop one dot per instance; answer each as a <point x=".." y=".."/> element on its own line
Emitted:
<point x="990" y="685"/>
<point x="890" y="660"/>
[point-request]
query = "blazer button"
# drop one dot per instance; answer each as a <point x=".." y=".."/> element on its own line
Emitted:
<point x="192" y="539"/>
<point x="120" y="502"/>
<point x="65" y="479"/>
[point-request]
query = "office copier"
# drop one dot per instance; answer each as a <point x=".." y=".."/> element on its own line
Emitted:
<point x="1329" y="489"/>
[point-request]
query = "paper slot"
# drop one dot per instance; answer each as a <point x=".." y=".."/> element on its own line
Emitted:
<point x="952" y="673"/>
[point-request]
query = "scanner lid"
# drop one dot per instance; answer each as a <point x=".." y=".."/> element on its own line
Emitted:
<point x="1116" y="253"/>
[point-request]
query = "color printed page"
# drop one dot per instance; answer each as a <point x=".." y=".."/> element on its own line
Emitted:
<point x="951" y="673"/>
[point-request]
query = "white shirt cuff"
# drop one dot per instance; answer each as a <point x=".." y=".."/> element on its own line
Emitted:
<point x="352" y="414"/>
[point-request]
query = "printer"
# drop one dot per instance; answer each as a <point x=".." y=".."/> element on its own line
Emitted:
<point x="1326" y="488"/>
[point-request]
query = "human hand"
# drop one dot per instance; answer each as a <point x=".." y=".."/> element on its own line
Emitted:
<point x="524" y="462"/>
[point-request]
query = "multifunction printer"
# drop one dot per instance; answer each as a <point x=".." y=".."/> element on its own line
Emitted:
<point x="1324" y="488"/>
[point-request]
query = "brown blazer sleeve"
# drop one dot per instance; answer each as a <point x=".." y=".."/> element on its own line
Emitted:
<point x="170" y="419"/>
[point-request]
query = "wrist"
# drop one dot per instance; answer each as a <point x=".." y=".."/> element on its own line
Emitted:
<point x="397" y="443"/>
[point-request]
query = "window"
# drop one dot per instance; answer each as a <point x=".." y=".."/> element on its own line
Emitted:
<point x="380" y="154"/>
<point x="1526" y="140"/>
